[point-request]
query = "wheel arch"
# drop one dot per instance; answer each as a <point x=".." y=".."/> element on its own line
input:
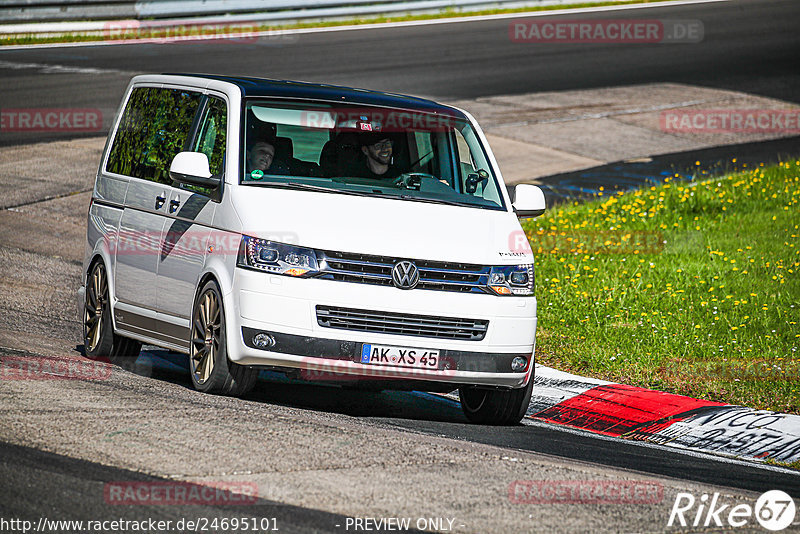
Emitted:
<point x="218" y="273"/>
<point x="204" y="279"/>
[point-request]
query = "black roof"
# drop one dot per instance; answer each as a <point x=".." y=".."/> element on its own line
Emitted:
<point x="263" y="87"/>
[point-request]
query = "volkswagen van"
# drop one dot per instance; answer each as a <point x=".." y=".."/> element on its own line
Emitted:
<point x="328" y="233"/>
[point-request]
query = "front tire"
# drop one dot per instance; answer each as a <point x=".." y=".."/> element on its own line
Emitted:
<point x="210" y="368"/>
<point x="99" y="339"/>
<point x="495" y="406"/>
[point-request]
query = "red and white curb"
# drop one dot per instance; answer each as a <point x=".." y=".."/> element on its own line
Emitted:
<point x="663" y="418"/>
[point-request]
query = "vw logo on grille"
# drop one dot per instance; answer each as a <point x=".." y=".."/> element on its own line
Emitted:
<point x="405" y="275"/>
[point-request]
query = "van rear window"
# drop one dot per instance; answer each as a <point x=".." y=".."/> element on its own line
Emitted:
<point x="152" y="130"/>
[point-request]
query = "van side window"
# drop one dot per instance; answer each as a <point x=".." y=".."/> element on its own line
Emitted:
<point x="153" y="128"/>
<point x="465" y="163"/>
<point x="210" y="140"/>
<point x="471" y="162"/>
<point x="211" y="137"/>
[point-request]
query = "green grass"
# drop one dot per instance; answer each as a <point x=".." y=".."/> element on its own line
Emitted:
<point x="789" y="465"/>
<point x="210" y="32"/>
<point x="690" y="288"/>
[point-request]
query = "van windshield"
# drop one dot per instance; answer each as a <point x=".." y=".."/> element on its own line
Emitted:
<point x="372" y="151"/>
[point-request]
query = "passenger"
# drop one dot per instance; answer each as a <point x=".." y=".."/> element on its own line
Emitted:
<point x="260" y="161"/>
<point x="379" y="163"/>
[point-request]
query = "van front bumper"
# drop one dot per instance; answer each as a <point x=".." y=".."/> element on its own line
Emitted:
<point x="285" y="310"/>
<point x="334" y="356"/>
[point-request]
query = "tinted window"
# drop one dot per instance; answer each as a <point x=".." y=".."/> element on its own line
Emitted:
<point x="211" y="137"/>
<point x="153" y="128"/>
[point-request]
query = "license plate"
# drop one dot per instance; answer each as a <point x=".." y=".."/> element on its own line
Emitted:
<point x="399" y="356"/>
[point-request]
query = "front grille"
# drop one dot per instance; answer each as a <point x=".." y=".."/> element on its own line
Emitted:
<point x="377" y="270"/>
<point x="402" y="323"/>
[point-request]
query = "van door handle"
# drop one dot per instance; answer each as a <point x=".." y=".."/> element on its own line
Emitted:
<point x="160" y="201"/>
<point x="174" y="204"/>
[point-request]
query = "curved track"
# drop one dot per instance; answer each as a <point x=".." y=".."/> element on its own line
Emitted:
<point x="315" y="447"/>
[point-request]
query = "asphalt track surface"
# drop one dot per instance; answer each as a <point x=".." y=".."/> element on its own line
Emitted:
<point x="750" y="46"/>
<point x="21" y="467"/>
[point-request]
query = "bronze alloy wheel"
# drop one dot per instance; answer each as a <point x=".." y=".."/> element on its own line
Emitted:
<point x="206" y="336"/>
<point x="94" y="308"/>
<point x="99" y="339"/>
<point x="211" y="370"/>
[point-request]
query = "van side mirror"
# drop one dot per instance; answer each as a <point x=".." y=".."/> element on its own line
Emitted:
<point x="475" y="179"/>
<point x="528" y="201"/>
<point x="192" y="168"/>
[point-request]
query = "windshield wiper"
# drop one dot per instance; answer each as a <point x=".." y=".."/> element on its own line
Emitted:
<point x="439" y="201"/>
<point x="373" y="193"/>
<point x="381" y="194"/>
<point x="318" y="188"/>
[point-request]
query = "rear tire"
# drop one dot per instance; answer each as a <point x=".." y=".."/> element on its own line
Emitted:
<point x="495" y="406"/>
<point x="210" y="368"/>
<point x="99" y="339"/>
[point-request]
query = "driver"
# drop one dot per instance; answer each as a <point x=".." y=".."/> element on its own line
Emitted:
<point x="260" y="161"/>
<point x="378" y="164"/>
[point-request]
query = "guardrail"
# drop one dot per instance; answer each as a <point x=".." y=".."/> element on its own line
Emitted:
<point x="39" y="11"/>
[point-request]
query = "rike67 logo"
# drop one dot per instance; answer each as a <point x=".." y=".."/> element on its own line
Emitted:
<point x="774" y="510"/>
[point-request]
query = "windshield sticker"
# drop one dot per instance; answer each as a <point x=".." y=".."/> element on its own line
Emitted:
<point x="257" y="174"/>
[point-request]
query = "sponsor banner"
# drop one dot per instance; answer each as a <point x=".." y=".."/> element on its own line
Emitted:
<point x="552" y="386"/>
<point x="737" y="431"/>
<point x="663" y="418"/>
<point x="625" y="31"/>
<point x="731" y="121"/>
<point x="162" y="493"/>
<point x="548" y="392"/>
<point x="51" y="120"/>
<point x="626" y="411"/>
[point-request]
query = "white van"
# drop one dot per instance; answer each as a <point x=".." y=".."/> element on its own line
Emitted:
<point x="326" y="232"/>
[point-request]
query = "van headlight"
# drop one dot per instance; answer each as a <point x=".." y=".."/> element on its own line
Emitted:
<point x="276" y="258"/>
<point x="512" y="279"/>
